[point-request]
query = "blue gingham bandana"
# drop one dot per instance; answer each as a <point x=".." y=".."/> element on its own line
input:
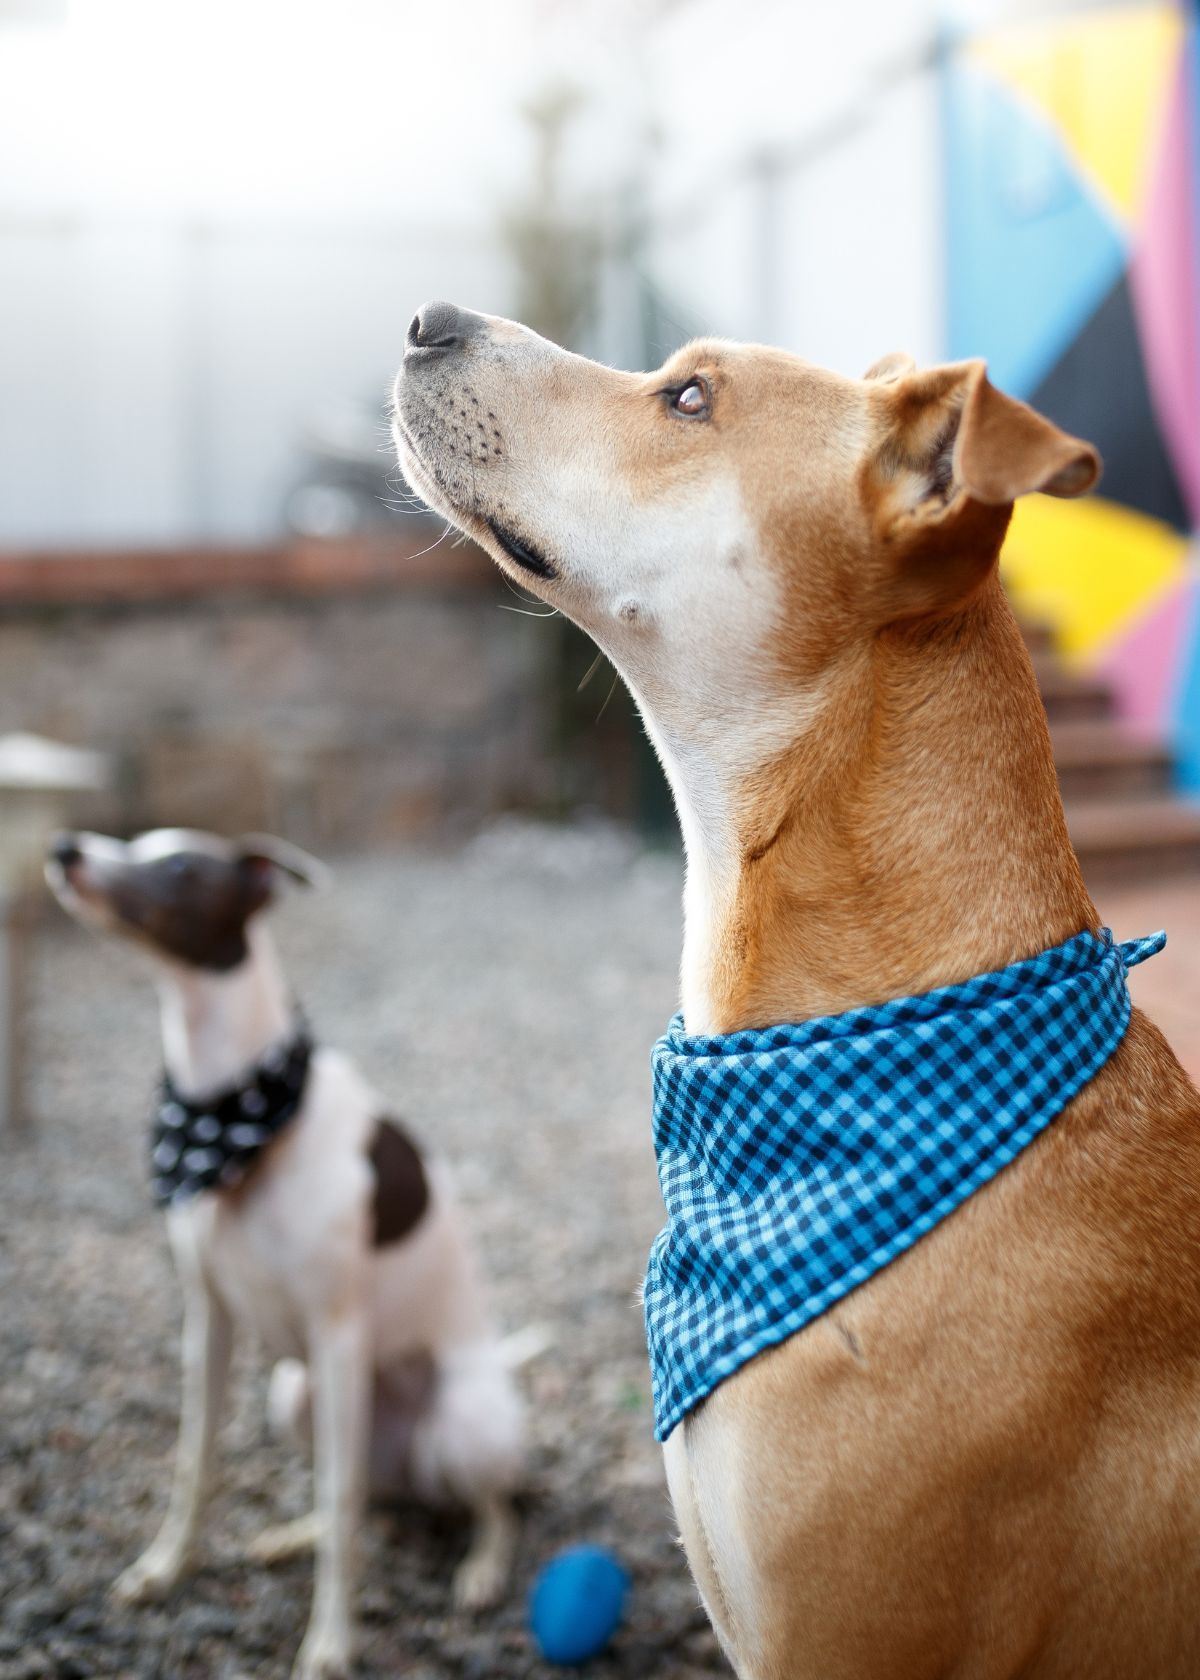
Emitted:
<point x="797" y="1161"/>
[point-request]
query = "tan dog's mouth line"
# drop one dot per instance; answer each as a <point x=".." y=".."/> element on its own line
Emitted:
<point x="524" y="556"/>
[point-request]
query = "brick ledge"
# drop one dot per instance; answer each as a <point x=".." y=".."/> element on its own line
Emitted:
<point x="305" y="566"/>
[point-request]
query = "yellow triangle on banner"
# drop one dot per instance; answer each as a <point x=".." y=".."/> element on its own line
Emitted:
<point x="1087" y="568"/>
<point x="1102" y="78"/>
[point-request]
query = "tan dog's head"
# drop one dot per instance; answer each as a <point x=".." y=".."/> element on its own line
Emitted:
<point x="784" y="566"/>
<point x="728" y="526"/>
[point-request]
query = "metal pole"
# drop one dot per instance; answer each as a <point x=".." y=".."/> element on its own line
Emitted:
<point x="768" y="175"/>
<point x="16" y="918"/>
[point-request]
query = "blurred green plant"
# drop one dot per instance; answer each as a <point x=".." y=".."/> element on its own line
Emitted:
<point x="555" y="242"/>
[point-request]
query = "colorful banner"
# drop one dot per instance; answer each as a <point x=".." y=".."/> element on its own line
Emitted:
<point x="1073" y="226"/>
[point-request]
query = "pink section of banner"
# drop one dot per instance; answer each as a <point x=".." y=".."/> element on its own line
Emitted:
<point x="1144" y="666"/>
<point x="1166" y="293"/>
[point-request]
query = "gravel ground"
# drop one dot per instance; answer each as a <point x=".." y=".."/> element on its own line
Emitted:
<point x="504" y="998"/>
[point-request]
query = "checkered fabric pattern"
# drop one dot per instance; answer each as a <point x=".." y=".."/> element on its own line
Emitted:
<point x="797" y="1161"/>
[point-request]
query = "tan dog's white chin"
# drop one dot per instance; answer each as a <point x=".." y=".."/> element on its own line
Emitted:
<point x="418" y="476"/>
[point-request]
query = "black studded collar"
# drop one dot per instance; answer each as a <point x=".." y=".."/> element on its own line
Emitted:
<point x="212" y="1142"/>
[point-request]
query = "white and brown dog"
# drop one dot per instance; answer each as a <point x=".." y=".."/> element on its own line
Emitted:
<point x="983" y="1462"/>
<point x="299" y="1211"/>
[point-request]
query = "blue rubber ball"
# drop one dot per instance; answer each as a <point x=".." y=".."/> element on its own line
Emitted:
<point x="576" y="1603"/>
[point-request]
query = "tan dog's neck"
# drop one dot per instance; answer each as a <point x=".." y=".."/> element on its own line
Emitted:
<point x="914" y="838"/>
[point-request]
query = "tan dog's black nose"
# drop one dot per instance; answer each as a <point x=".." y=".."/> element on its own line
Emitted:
<point x="439" y="328"/>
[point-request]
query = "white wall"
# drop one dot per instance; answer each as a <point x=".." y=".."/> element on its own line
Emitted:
<point x="155" y="381"/>
<point x="837" y="253"/>
<point x="216" y="216"/>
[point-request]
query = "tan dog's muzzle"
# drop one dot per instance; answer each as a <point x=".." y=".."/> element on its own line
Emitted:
<point x="449" y="424"/>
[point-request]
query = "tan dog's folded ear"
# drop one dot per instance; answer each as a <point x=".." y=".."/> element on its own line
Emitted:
<point x="1005" y="449"/>
<point x="952" y="457"/>
<point x="892" y="367"/>
<point x="949" y="432"/>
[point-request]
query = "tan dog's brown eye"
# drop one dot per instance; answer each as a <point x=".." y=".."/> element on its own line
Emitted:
<point x="691" y="400"/>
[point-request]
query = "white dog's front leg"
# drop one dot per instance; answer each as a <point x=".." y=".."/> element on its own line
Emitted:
<point x="340" y="1354"/>
<point x="207" y="1345"/>
<point x="480" y="1577"/>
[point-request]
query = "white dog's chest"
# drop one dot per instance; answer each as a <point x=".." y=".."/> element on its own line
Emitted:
<point x="258" y="1285"/>
<point x="276" y="1249"/>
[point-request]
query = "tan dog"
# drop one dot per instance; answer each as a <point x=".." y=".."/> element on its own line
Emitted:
<point x="986" y="1461"/>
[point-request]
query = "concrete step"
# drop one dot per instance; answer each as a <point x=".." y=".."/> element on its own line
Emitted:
<point x="1098" y="758"/>
<point x="1119" y="839"/>
<point x="1039" y="638"/>
<point x="1069" y="698"/>
<point x="1125" y="822"/>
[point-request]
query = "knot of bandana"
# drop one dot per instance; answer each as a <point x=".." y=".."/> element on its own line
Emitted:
<point x="212" y="1142"/>
<point x="797" y="1161"/>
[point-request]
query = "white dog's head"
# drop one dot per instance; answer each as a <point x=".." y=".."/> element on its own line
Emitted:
<point x="185" y="896"/>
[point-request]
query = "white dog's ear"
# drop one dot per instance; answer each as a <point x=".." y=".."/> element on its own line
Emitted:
<point x="281" y="856"/>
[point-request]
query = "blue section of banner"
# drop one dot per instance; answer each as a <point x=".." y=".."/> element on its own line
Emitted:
<point x="1185" y="731"/>
<point x="1031" y="253"/>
